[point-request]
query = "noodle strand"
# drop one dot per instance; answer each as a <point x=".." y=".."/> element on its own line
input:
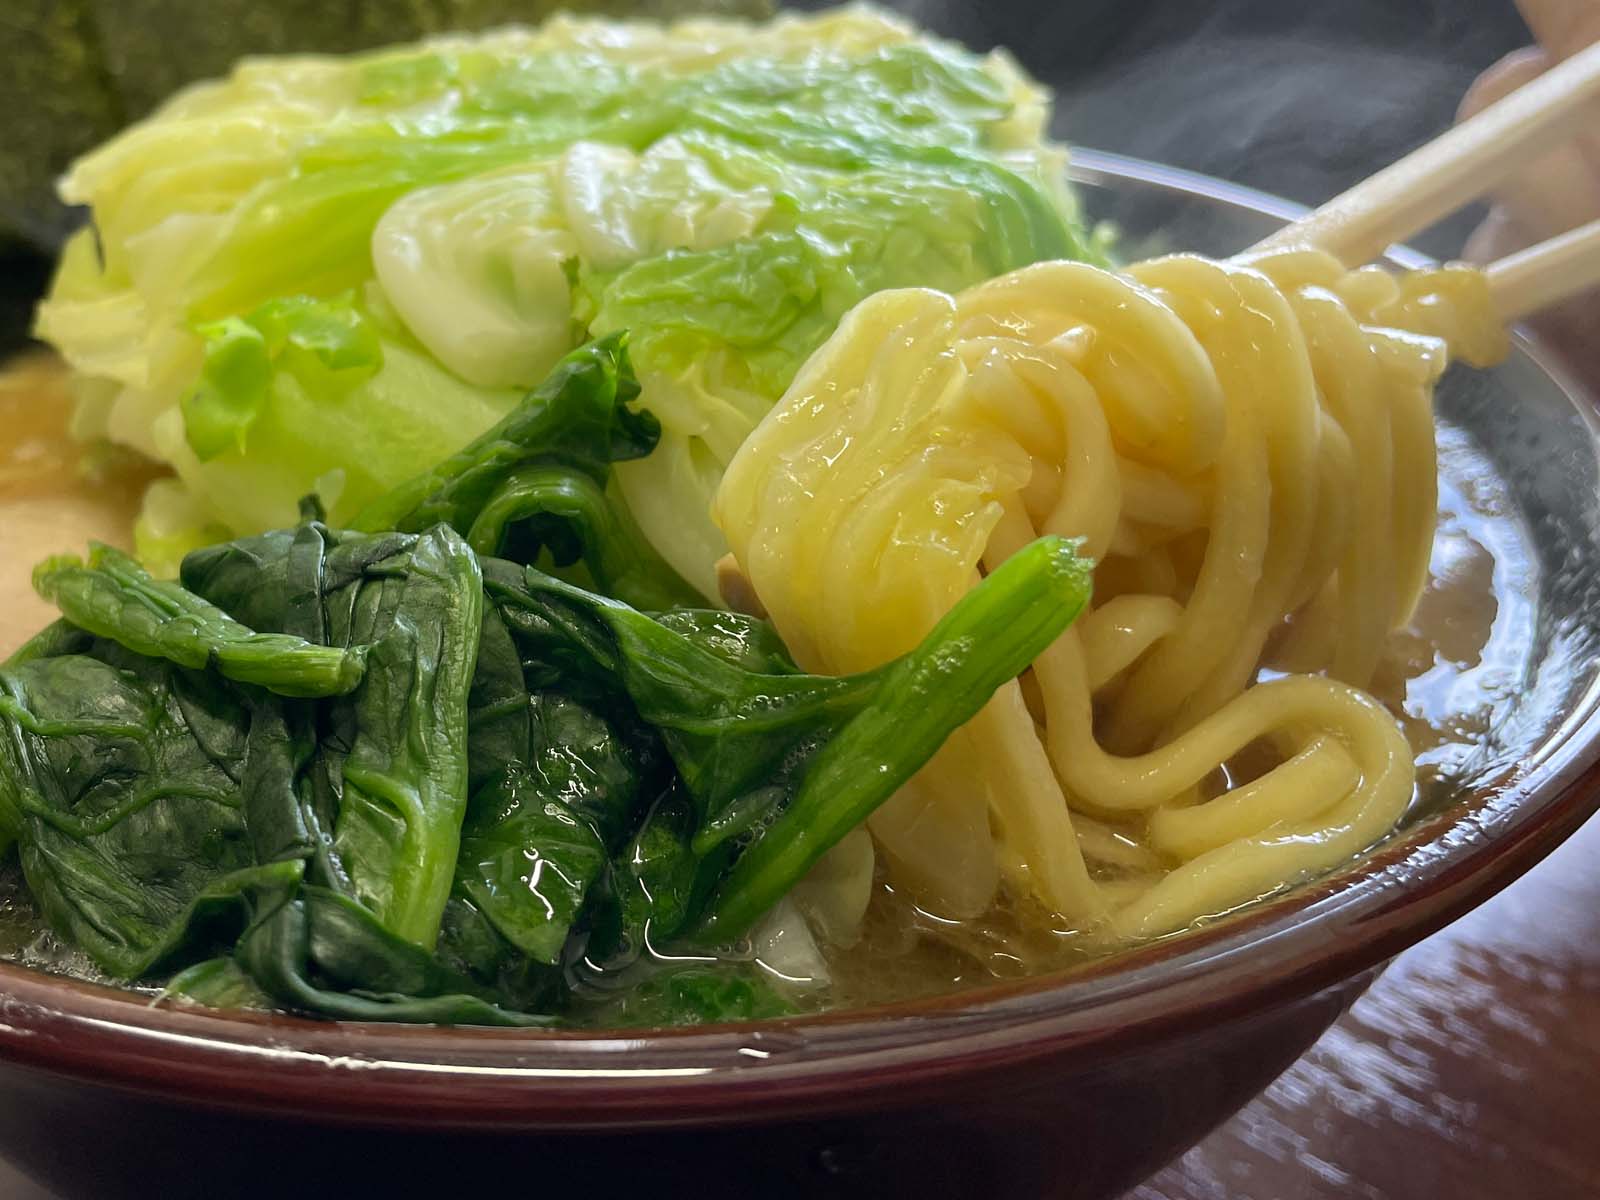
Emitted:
<point x="1245" y="448"/>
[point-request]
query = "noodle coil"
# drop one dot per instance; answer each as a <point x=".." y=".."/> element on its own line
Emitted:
<point x="1245" y="447"/>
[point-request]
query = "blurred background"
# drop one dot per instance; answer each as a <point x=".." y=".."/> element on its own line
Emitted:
<point x="1299" y="100"/>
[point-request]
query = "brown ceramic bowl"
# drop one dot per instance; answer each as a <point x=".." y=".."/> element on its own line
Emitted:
<point x="1069" y="1085"/>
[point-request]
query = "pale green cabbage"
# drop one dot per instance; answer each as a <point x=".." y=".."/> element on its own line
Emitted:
<point x="323" y="273"/>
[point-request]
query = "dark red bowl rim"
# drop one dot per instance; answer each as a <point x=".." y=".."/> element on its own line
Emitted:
<point x="429" y="1077"/>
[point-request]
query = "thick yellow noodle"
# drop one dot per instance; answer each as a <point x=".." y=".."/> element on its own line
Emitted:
<point x="1246" y="449"/>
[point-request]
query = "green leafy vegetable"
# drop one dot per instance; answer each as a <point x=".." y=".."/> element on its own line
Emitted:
<point x="578" y="418"/>
<point x="692" y="994"/>
<point x="990" y="636"/>
<point x="327" y="348"/>
<point x="528" y="862"/>
<point x="550" y="509"/>
<point x="217" y="983"/>
<point x="781" y="766"/>
<point x="536" y="482"/>
<point x="726" y="727"/>
<point x="499" y="708"/>
<point x="80" y="69"/>
<point x="653" y="890"/>
<point x="470" y="946"/>
<point x="287" y="424"/>
<point x="317" y="273"/>
<point x="324" y="953"/>
<point x="663" y="779"/>
<point x="395" y="754"/>
<point x="119" y="776"/>
<point x="113" y="596"/>
<point x="405" y="772"/>
<point x="369" y="774"/>
<point x="746" y="642"/>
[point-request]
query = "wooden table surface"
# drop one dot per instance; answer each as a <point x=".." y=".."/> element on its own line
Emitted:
<point x="1470" y="1070"/>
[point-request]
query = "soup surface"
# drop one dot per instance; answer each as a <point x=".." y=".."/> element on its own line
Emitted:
<point x="1450" y="676"/>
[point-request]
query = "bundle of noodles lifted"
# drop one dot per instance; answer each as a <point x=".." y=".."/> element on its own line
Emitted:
<point x="1244" y="447"/>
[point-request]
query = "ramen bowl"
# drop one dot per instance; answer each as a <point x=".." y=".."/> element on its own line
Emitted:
<point x="1073" y="1084"/>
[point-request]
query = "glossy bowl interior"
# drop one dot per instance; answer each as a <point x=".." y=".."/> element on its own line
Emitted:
<point x="1523" y="435"/>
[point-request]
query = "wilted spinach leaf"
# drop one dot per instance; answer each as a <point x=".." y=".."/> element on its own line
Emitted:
<point x="779" y="767"/>
<point x="528" y="860"/>
<point x="318" y="951"/>
<point x="536" y="482"/>
<point x="120" y="776"/>
<point x="370" y="775"/>
<point x="689" y="994"/>
<point x="113" y="596"/>
<point x="393" y="755"/>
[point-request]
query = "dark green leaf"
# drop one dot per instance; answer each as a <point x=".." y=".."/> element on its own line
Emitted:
<point x="114" y="597"/>
<point x="726" y="728"/>
<point x="527" y="862"/>
<point x="391" y="774"/>
<point x="279" y="783"/>
<point x="319" y="952"/>
<point x="578" y="418"/>
<point x="747" y="642"/>
<point x="538" y="837"/>
<point x="535" y="484"/>
<point x="562" y="512"/>
<point x="653" y="890"/>
<point x="990" y="636"/>
<point x="775" y="768"/>
<point x="273" y="581"/>
<point x="120" y="775"/>
<point x="471" y="946"/>
<point x="498" y="706"/>
<point x="404" y="771"/>
<point x="217" y="983"/>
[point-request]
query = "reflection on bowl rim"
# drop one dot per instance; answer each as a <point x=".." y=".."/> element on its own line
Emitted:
<point x="1272" y="952"/>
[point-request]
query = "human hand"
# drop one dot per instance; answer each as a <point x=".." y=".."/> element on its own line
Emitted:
<point x="1561" y="190"/>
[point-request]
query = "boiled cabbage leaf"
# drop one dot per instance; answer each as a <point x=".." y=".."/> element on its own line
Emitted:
<point x="323" y="273"/>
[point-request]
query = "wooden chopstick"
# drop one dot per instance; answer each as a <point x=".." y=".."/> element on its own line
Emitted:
<point x="1522" y="283"/>
<point x="1455" y="168"/>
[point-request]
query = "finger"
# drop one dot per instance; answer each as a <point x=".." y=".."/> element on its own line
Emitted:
<point x="1560" y="191"/>
<point x="1539" y="205"/>
<point x="1562" y="27"/>
<point x="1499" y="81"/>
<point x="1498" y="236"/>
